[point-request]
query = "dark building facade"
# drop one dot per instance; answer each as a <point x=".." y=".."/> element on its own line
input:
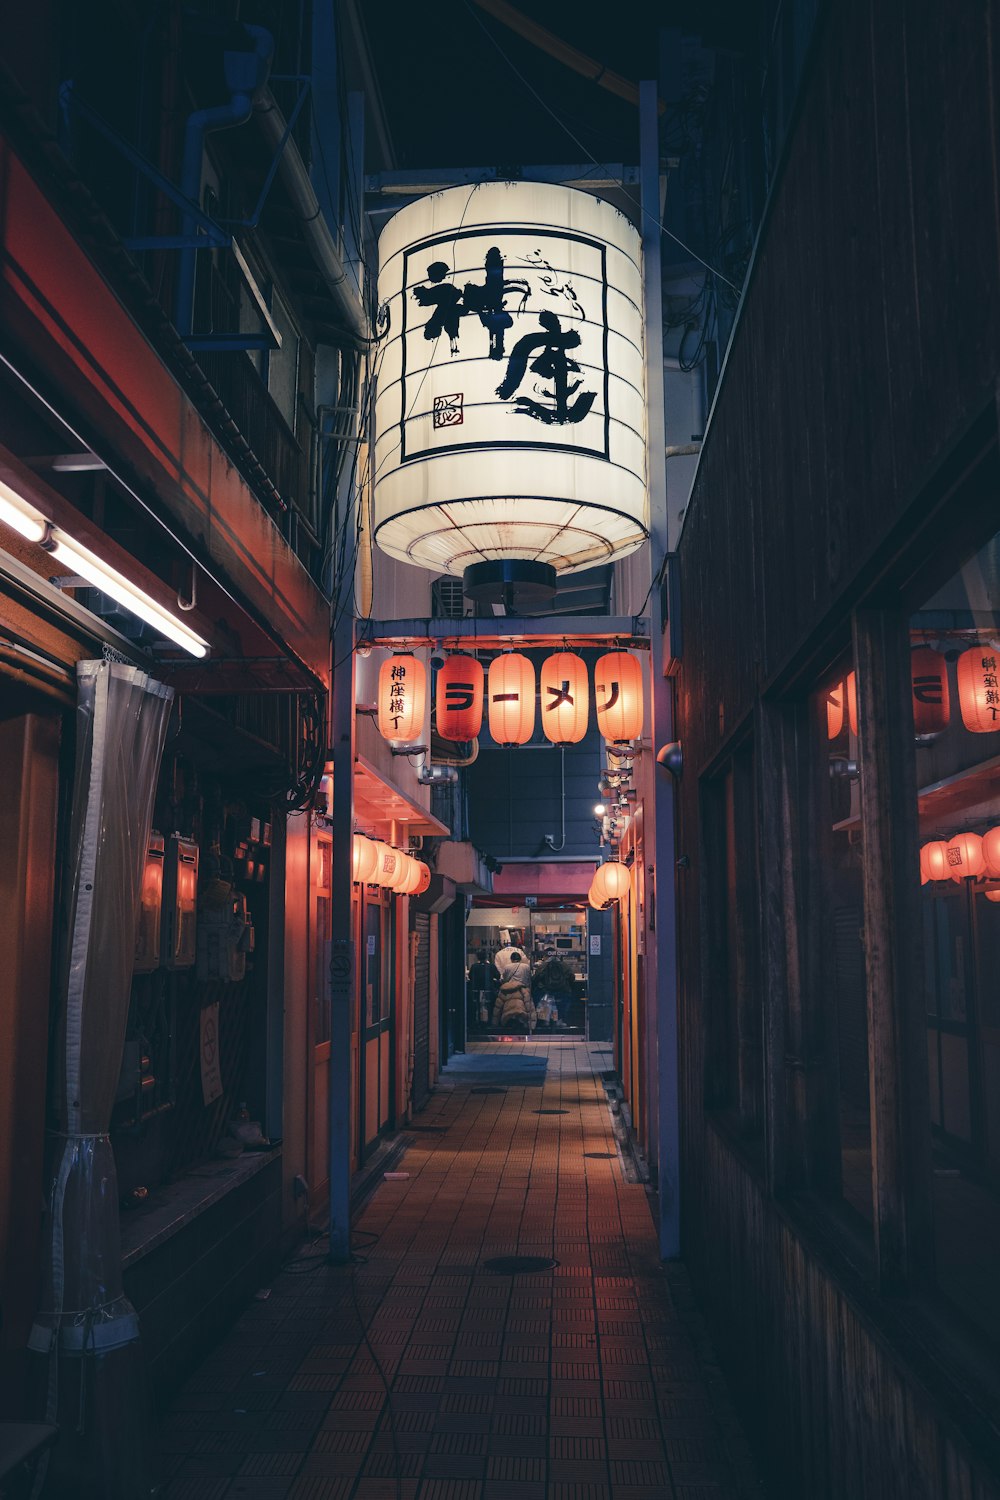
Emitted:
<point x="837" y="708"/>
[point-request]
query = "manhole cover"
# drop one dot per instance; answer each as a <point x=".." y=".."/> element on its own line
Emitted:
<point x="429" y="1129"/>
<point x="599" y="1155"/>
<point x="519" y="1265"/>
<point x="551" y="1111"/>
<point x="484" y="1089"/>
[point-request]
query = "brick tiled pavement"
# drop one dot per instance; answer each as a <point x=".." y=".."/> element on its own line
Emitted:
<point x="415" y="1374"/>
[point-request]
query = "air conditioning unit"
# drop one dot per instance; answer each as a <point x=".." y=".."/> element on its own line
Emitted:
<point x="447" y="599"/>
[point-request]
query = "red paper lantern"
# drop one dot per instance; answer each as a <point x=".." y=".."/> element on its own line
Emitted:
<point x="991" y="853"/>
<point x="411" y="876"/>
<point x="611" y="881"/>
<point x="835" y="711"/>
<point x="993" y="895"/>
<point x="618" y="696"/>
<point x="366" y="858"/>
<point x="934" y="860"/>
<point x="979" y="689"/>
<point x="391" y="868"/>
<point x="458" y="698"/>
<point x="852" y="701"/>
<point x="565" y="696"/>
<point x="423" y="878"/>
<point x="965" y="856"/>
<point x="402" y="698"/>
<point x="929" y="676"/>
<point x="511" y="689"/>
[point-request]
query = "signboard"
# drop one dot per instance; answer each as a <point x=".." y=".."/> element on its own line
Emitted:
<point x="211" y="1077"/>
<point x="595" y="945"/>
<point x="531" y="901"/>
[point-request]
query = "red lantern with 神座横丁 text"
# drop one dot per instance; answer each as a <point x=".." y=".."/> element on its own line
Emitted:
<point x="618" y="696"/>
<point x="979" y="689"/>
<point x="565" y="697"/>
<point x="511" y="691"/>
<point x="458" y="698"/>
<point x="402" y="698"/>
<point x="929" y="678"/>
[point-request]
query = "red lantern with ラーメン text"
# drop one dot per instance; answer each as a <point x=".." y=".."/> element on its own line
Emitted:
<point x="618" y="696"/>
<point x="511" y="691"/>
<point x="979" y="689"/>
<point x="565" y="698"/>
<point x="929" y="677"/>
<point x="458" y="698"/>
<point x="402" y="698"/>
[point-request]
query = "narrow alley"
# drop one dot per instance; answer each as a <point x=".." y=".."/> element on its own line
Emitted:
<point x="418" y="1372"/>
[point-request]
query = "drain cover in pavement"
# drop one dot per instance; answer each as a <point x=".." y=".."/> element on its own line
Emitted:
<point x="485" y="1089"/>
<point x="551" y="1111"/>
<point x="518" y="1265"/>
<point x="599" y="1155"/>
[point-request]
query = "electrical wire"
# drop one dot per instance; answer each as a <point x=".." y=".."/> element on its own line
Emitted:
<point x="653" y="219"/>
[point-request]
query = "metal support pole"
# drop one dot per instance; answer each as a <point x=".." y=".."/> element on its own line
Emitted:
<point x="661" y="996"/>
<point x="342" y="957"/>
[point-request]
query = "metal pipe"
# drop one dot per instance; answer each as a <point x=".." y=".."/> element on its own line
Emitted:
<point x="297" y="185"/>
<point x="200" y="124"/>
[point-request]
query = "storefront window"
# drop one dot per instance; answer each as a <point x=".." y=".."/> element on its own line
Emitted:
<point x="842" y="1031"/>
<point x="955" y="641"/>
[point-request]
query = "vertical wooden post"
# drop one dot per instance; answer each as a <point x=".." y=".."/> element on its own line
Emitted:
<point x="897" y="1043"/>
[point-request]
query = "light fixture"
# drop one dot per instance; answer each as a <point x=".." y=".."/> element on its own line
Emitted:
<point x="600" y="810"/>
<point x="118" y="587"/>
<point x="20" y="516"/>
<point x="365" y="858"/>
<point x="565" y="697"/>
<point x="618" y="696"/>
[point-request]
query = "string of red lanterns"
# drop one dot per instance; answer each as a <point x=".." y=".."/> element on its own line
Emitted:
<point x="978" y="677"/>
<point x="508" y="692"/>
<point x="966" y="856"/>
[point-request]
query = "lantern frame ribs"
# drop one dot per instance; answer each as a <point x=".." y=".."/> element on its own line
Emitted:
<point x="505" y="631"/>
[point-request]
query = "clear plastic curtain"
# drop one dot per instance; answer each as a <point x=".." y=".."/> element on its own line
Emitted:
<point x="86" y="1327"/>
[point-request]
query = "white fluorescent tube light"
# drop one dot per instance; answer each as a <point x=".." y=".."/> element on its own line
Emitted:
<point x="20" y="516"/>
<point x="117" y="587"/>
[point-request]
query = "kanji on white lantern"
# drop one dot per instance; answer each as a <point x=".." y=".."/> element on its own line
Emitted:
<point x="510" y="412"/>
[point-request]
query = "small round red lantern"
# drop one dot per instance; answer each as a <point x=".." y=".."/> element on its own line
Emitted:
<point x="929" y="678"/>
<point x="402" y="698"/>
<point x="934" y="860"/>
<point x="991" y="853"/>
<point x="565" y="695"/>
<point x="423" y="878"/>
<point x="993" y="895"/>
<point x="979" y="689"/>
<point x="965" y="856"/>
<point x="618" y="696"/>
<point x="458" y="698"/>
<point x="511" y="689"/>
<point x="611" y="881"/>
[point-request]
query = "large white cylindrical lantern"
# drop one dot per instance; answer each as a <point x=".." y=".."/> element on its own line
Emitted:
<point x="510" y="405"/>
